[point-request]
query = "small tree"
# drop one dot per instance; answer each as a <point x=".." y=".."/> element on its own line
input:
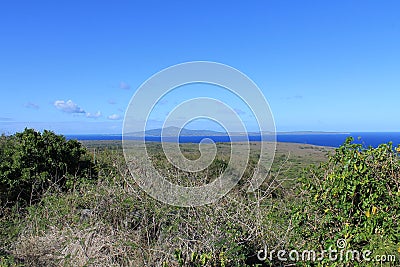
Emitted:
<point x="32" y="162"/>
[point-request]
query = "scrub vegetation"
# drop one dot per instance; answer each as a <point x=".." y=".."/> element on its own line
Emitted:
<point x="70" y="203"/>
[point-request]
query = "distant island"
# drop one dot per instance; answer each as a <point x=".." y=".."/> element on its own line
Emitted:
<point x="176" y="131"/>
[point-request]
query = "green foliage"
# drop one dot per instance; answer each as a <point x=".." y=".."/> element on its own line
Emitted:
<point x="9" y="261"/>
<point x="32" y="162"/>
<point x="354" y="196"/>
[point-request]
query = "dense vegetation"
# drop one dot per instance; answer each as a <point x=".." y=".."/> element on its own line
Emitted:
<point x="31" y="163"/>
<point x="354" y="196"/>
<point x="68" y="204"/>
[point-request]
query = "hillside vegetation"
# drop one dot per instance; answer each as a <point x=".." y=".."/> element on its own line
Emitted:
<point x="65" y="203"/>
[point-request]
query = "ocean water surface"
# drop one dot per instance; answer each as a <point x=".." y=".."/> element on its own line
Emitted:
<point x="373" y="139"/>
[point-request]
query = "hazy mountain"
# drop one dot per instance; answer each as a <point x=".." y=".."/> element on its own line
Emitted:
<point x="175" y="131"/>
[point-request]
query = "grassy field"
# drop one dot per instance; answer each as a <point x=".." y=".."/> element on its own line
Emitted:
<point x="111" y="222"/>
<point x="289" y="161"/>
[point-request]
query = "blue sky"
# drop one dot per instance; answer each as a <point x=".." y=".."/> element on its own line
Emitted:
<point x="72" y="66"/>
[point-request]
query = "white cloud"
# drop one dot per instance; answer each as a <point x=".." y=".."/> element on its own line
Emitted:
<point x="239" y="111"/>
<point x="68" y="107"/>
<point x="294" y="97"/>
<point x="31" y="105"/>
<point x="114" y="117"/>
<point x="93" y="115"/>
<point x="162" y="102"/>
<point x="5" y="119"/>
<point x="124" y="85"/>
<point x="112" y="102"/>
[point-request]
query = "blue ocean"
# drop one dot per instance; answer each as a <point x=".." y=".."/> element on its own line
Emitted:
<point x="373" y="139"/>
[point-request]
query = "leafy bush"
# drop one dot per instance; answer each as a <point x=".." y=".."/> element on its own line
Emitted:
<point x="32" y="162"/>
<point x="354" y="196"/>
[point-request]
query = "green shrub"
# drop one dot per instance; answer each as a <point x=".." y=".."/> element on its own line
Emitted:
<point x="32" y="162"/>
<point x="354" y="196"/>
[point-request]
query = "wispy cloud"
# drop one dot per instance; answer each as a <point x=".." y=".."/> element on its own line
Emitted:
<point x="31" y="105"/>
<point x="239" y="111"/>
<point x="294" y="97"/>
<point x="162" y="102"/>
<point x="93" y="115"/>
<point x="114" y="117"/>
<point x="112" y="101"/>
<point x="68" y="107"/>
<point x="5" y="119"/>
<point x="124" y="85"/>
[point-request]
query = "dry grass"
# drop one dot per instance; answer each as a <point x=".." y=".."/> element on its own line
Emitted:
<point x="126" y="227"/>
<point x="98" y="245"/>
